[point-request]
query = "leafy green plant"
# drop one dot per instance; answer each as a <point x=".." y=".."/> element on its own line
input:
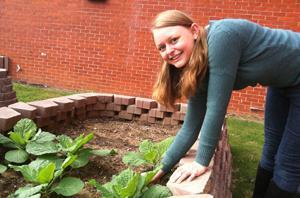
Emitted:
<point x="150" y="153"/>
<point x="129" y="184"/>
<point x="2" y="168"/>
<point x="22" y="132"/>
<point x="46" y="173"/>
<point x="52" y="156"/>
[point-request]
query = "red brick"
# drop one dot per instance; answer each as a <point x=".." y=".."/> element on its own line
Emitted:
<point x="78" y="100"/>
<point x="7" y="96"/>
<point x="124" y="100"/>
<point x="194" y="187"/>
<point x="7" y="88"/>
<point x="81" y="110"/>
<point x="152" y="113"/>
<point x="151" y="120"/>
<point x="43" y="121"/>
<point x="105" y="98"/>
<point x="26" y="110"/>
<point x="145" y="103"/>
<point x="91" y="98"/>
<point x="144" y="117"/>
<point x="94" y="114"/>
<point x="168" y="109"/>
<point x="80" y="117"/>
<point x="5" y="81"/>
<point x="130" y="109"/>
<point x="3" y="73"/>
<point x="125" y="115"/>
<point x="64" y="103"/>
<point x="99" y="106"/>
<point x="8" y="102"/>
<point x="61" y="116"/>
<point x="107" y="113"/>
<point x="166" y="121"/>
<point x="8" y="118"/>
<point x="45" y="108"/>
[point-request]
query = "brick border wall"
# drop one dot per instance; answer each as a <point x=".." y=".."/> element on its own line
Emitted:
<point x="51" y="112"/>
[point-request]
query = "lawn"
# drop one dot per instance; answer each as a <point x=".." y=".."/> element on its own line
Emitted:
<point x="245" y="138"/>
<point x="27" y="93"/>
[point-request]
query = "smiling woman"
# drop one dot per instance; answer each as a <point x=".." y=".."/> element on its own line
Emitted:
<point x="205" y="66"/>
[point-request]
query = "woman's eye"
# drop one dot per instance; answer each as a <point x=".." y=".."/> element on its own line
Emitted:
<point x="161" y="48"/>
<point x="174" y="40"/>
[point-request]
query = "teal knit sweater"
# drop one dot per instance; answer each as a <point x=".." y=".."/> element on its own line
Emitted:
<point x="241" y="53"/>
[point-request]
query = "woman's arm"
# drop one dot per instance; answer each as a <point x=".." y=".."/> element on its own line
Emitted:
<point x="189" y="131"/>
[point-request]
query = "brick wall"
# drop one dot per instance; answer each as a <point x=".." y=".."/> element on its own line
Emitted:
<point x="106" y="46"/>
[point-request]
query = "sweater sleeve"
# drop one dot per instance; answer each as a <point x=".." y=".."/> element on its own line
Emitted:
<point x="224" y="55"/>
<point x="189" y="131"/>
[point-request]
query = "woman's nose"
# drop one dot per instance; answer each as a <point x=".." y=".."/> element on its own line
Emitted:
<point x="169" y="49"/>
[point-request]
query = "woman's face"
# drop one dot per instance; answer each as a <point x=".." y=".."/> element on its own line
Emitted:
<point x="175" y="43"/>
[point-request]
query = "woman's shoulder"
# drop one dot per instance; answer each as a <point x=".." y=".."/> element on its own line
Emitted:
<point x="229" y="24"/>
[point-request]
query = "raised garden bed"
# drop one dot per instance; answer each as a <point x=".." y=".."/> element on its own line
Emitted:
<point x="101" y="114"/>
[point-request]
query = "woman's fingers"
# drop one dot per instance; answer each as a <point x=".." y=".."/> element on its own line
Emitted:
<point x="176" y="175"/>
<point x="183" y="177"/>
<point x="157" y="177"/>
<point x="188" y="172"/>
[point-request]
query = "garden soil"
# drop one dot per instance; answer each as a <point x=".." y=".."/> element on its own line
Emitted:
<point x="123" y="136"/>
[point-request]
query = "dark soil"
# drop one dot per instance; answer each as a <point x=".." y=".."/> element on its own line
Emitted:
<point x="123" y="136"/>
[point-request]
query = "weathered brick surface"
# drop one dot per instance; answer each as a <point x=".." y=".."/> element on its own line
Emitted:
<point x="64" y="103"/>
<point x="26" y="110"/>
<point x="217" y="181"/>
<point x="168" y="109"/>
<point x="124" y="100"/>
<point x="105" y="98"/>
<point x="91" y="98"/>
<point x="8" y="102"/>
<point x="5" y="81"/>
<point x="97" y="106"/>
<point x="107" y="113"/>
<point x="79" y="101"/>
<point x="125" y="115"/>
<point x="3" y="73"/>
<point x="144" y="117"/>
<point x="94" y="114"/>
<point x="195" y="186"/>
<point x="45" y="108"/>
<point x="7" y="96"/>
<point x="8" y="118"/>
<point x="6" y="88"/>
<point x="145" y="103"/>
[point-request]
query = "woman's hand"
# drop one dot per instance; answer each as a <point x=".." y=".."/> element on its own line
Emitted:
<point x="157" y="177"/>
<point x="188" y="172"/>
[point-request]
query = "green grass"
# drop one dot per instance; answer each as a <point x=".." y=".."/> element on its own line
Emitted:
<point x="246" y="140"/>
<point x="28" y="93"/>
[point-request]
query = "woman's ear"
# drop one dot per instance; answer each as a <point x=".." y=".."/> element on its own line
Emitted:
<point x="195" y="30"/>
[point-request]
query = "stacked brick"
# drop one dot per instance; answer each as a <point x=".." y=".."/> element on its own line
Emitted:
<point x="7" y="95"/>
<point x="62" y="110"/>
<point x="216" y="182"/>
